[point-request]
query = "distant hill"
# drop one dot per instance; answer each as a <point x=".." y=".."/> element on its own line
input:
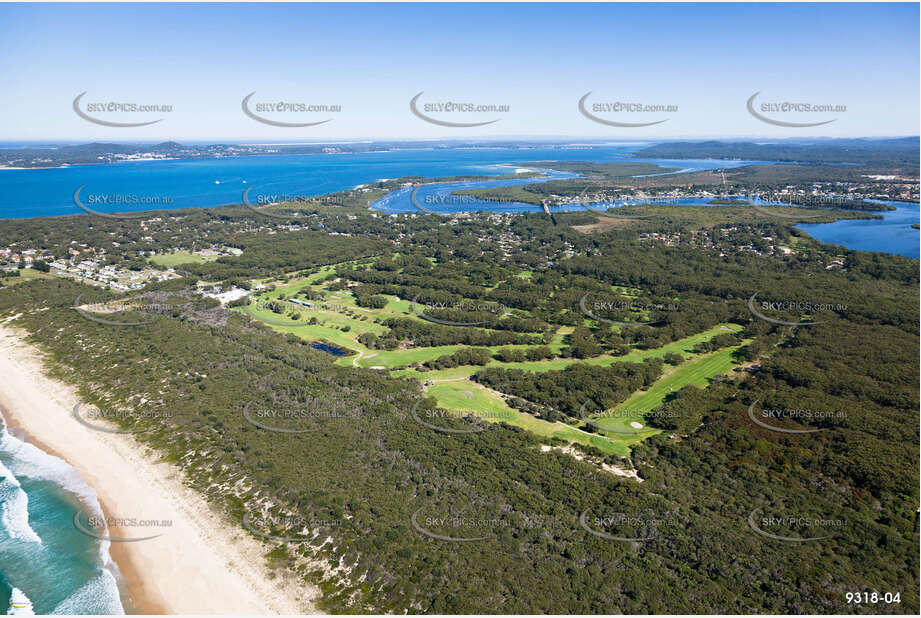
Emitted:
<point x="899" y="152"/>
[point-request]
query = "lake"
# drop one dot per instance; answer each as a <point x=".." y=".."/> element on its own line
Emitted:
<point x="892" y="234"/>
<point x="325" y="347"/>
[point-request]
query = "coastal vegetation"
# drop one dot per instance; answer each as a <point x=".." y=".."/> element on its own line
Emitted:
<point x="894" y="152"/>
<point x="552" y="383"/>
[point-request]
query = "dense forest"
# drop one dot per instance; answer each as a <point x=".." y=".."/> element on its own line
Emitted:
<point x="897" y="152"/>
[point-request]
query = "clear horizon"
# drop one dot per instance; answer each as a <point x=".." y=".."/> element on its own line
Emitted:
<point x="599" y="141"/>
<point x="701" y="62"/>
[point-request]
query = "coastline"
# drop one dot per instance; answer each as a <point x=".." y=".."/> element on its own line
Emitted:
<point x="127" y="573"/>
<point x="202" y="563"/>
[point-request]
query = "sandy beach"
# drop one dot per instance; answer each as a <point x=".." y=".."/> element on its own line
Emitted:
<point x="201" y="563"/>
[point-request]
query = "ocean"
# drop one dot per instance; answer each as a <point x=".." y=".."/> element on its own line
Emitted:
<point x="47" y="566"/>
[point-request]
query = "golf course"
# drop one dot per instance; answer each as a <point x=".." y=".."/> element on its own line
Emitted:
<point x="317" y="307"/>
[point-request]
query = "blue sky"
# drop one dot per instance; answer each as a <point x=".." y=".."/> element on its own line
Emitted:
<point x="538" y="59"/>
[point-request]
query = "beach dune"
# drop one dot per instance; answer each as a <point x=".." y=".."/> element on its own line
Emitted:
<point x="201" y="563"/>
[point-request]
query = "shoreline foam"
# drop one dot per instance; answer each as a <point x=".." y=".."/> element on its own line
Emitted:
<point x="202" y="563"/>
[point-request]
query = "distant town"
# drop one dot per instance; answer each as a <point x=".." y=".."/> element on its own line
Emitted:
<point x="63" y="155"/>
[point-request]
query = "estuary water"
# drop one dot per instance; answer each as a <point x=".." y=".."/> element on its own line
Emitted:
<point x="189" y="183"/>
<point x="185" y="183"/>
<point x="891" y="234"/>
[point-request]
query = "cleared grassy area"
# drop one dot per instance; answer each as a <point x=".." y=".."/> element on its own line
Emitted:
<point x="621" y="289"/>
<point x="399" y="358"/>
<point x="697" y="371"/>
<point x="682" y="346"/>
<point x="454" y="373"/>
<point x="335" y="317"/>
<point x="469" y="396"/>
<point x="25" y="274"/>
<point x="329" y="329"/>
<point x="179" y="257"/>
<point x="343" y="300"/>
<point x="296" y="283"/>
<point x="391" y="358"/>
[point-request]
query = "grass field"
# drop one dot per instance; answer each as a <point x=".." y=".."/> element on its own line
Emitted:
<point x="470" y="396"/>
<point x="338" y="313"/>
<point x="334" y="320"/>
<point x="25" y="274"/>
<point x="697" y="372"/>
<point x="682" y="346"/>
<point x="329" y="327"/>
<point x="179" y="257"/>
